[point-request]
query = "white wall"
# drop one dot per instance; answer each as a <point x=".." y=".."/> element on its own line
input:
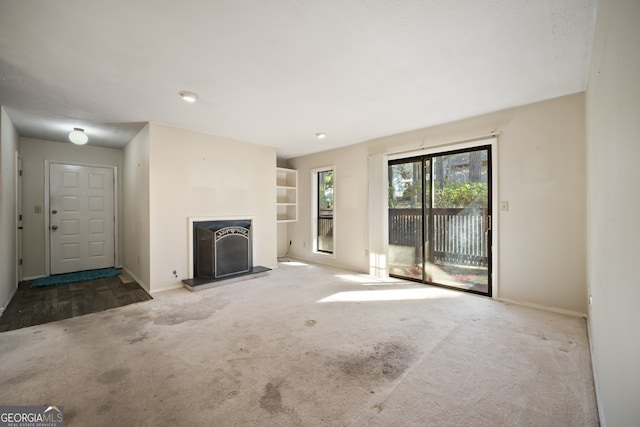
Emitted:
<point x="8" y="226"/>
<point x="283" y="242"/>
<point x="135" y="221"/>
<point x="34" y="152"/>
<point x="350" y="232"/>
<point x="194" y="174"/>
<point x="541" y="166"/>
<point x="613" y="150"/>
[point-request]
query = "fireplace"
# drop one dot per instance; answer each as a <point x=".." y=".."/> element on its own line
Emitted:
<point x="221" y="249"/>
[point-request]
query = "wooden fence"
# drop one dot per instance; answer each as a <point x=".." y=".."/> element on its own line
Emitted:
<point x="459" y="235"/>
<point x="325" y="226"/>
<point x="325" y="233"/>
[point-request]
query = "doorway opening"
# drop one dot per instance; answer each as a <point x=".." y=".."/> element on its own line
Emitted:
<point x="440" y="219"/>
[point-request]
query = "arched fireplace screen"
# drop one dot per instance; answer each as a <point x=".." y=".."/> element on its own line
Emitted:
<point x="222" y="248"/>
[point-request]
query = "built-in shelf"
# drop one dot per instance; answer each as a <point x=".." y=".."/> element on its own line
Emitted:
<point x="287" y="194"/>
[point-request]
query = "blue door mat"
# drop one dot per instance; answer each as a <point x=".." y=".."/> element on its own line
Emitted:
<point x="79" y="276"/>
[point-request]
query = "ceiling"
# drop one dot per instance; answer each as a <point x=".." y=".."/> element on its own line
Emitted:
<point x="276" y="72"/>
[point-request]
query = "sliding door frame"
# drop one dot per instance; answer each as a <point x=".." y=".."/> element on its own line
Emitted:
<point x="492" y="152"/>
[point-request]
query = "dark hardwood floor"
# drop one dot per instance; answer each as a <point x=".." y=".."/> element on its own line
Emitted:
<point x="30" y="307"/>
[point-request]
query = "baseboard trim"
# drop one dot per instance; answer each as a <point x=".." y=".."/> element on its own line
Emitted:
<point x="603" y="422"/>
<point x="6" y="303"/>
<point x="134" y="277"/>
<point x="544" y="307"/>
<point x="167" y="288"/>
<point x="24" y="279"/>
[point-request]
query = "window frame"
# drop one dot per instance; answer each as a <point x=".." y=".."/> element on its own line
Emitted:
<point x="315" y="211"/>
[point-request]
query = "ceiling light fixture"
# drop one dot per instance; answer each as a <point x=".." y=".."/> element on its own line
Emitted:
<point x="77" y="136"/>
<point x="321" y="135"/>
<point x="188" y="96"/>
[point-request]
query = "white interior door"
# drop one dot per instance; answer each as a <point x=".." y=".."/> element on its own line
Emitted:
<point x="81" y="218"/>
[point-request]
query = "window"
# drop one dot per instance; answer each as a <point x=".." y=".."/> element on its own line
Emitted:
<point x="323" y="180"/>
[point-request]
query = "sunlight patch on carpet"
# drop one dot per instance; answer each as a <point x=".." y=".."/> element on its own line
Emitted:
<point x="390" y="295"/>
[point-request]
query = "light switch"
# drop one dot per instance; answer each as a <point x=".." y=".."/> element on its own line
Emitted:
<point x="504" y="206"/>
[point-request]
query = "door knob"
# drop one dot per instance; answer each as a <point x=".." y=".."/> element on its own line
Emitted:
<point x="54" y="211"/>
<point x="54" y="227"/>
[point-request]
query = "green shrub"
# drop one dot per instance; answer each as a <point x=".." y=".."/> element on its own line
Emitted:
<point x="462" y="194"/>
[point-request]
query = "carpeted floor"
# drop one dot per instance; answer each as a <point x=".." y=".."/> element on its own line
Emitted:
<point x="307" y="346"/>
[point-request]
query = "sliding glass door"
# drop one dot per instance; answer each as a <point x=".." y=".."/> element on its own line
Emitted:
<point x="407" y="234"/>
<point x="440" y="219"/>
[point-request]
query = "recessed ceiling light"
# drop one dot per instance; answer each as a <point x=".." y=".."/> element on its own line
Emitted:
<point x="321" y="135"/>
<point x="77" y="136"/>
<point x="188" y="96"/>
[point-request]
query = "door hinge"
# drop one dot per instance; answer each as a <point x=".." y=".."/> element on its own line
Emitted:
<point x="20" y="217"/>
<point x="20" y="173"/>
<point x="20" y="261"/>
<point x="488" y="222"/>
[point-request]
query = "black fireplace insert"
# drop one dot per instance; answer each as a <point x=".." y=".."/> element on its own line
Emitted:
<point x="221" y="248"/>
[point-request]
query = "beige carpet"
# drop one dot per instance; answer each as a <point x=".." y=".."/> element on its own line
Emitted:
<point x="307" y="346"/>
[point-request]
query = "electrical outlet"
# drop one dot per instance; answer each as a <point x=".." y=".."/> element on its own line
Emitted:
<point x="37" y="209"/>
<point x="504" y="206"/>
